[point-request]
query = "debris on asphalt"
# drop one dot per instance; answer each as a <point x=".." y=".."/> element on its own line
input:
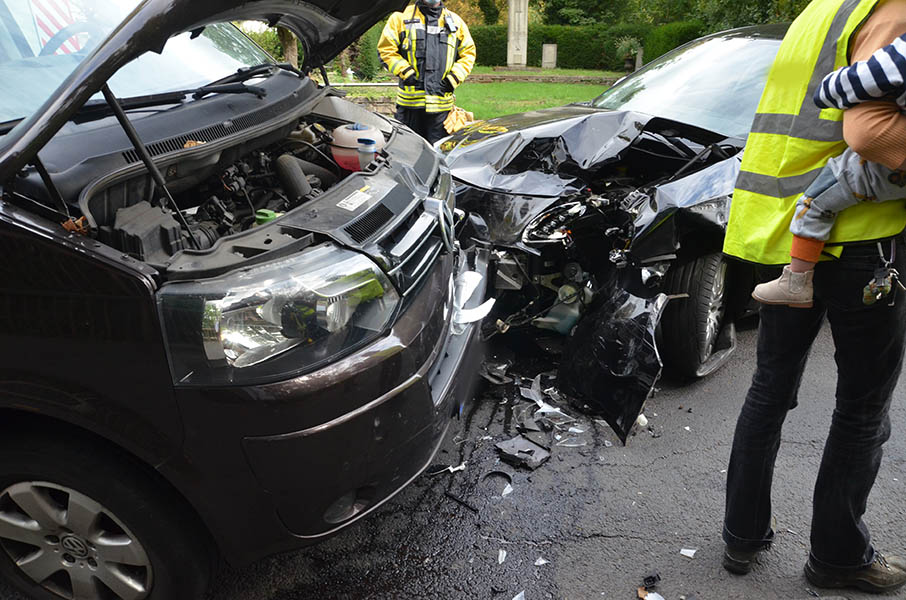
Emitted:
<point x="507" y="490"/>
<point x="571" y="441"/>
<point x="495" y="372"/>
<point x="687" y="428"/>
<point x="534" y="392"/>
<point x="553" y="415"/>
<point x="523" y="452"/>
<point x="519" y="596"/>
<point x="689" y="552"/>
<point x="608" y="444"/>
<point x="541" y="562"/>
<point x="642" y="421"/>
<point x="448" y="469"/>
<point x="650" y="581"/>
<point x="525" y="418"/>
<point x="501" y="556"/>
<point x="461" y="502"/>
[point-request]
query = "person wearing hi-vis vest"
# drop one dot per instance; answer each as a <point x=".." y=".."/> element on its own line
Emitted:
<point x="791" y="140"/>
<point x="429" y="48"/>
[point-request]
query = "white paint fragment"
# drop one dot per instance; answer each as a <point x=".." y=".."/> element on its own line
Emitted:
<point x="689" y="552"/>
<point x="507" y="490"/>
<point x="519" y="596"/>
<point x="541" y="562"/>
<point x="501" y="556"/>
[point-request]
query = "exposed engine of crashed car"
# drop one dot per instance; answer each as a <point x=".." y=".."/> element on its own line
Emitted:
<point x="606" y="227"/>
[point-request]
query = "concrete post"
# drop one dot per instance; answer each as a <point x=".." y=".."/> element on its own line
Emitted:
<point x="549" y="56"/>
<point x="517" y="34"/>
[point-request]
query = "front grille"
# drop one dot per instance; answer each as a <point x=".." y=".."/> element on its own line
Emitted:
<point x="413" y="246"/>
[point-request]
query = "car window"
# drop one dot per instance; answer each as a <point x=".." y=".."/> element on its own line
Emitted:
<point x="43" y="41"/>
<point x="715" y="84"/>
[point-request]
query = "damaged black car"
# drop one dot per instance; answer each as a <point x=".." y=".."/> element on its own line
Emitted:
<point x="607" y="218"/>
<point x="235" y="313"/>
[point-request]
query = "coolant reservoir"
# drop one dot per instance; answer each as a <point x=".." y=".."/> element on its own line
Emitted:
<point x="345" y="146"/>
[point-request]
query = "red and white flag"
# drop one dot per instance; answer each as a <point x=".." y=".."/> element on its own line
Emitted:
<point x="51" y="16"/>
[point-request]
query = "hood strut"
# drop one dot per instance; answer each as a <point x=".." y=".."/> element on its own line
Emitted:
<point x="139" y="146"/>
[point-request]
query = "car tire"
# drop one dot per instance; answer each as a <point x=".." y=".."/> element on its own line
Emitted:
<point x="690" y="327"/>
<point x="85" y="521"/>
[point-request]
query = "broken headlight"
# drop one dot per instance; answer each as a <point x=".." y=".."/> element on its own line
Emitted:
<point x="552" y="225"/>
<point x="276" y="320"/>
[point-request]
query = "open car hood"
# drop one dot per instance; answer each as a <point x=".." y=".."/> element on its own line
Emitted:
<point x="325" y="27"/>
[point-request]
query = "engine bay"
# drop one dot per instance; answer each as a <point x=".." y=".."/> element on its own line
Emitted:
<point x="242" y="189"/>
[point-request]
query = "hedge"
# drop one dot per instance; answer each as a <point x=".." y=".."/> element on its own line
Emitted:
<point x="366" y="63"/>
<point x="584" y="47"/>
<point x="664" y="38"/>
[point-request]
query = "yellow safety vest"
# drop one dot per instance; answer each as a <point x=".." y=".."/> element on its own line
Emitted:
<point x="402" y="50"/>
<point x="792" y="139"/>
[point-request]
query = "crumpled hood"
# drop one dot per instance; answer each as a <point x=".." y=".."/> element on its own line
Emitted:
<point x="325" y="27"/>
<point x="521" y="154"/>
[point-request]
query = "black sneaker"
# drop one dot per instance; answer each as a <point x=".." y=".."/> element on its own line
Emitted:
<point x="885" y="574"/>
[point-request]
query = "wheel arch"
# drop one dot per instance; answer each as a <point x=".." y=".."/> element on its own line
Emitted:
<point x="17" y="422"/>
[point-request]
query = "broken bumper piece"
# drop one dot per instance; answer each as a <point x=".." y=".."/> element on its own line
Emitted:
<point x="611" y="363"/>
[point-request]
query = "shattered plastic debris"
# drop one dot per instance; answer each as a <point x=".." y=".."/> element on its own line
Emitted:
<point x="571" y="441"/>
<point x="608" y="444"/>
<point x="495" y="372"/>
<point x="642" y="421"/>
<point x="689" y="552"/>
<point x="501" y="556"/>
<point x="553" y="415"/>
<point x="519" y="596"/>
<point x="524" y="415"/>
<point x="507" y="490"/>
<point x="521" y="451"/>
<point x="541" y="562"/>
<point x="534" y="393"/>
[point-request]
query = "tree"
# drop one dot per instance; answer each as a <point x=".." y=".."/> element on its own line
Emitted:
<point x="489" y="11"/>
<point x="290" y="49"/>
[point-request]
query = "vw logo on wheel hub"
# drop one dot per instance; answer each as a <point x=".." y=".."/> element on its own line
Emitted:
<point x="75" y="546"/>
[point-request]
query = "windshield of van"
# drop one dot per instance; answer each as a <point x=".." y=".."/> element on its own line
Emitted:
<point x="43" y="41"/>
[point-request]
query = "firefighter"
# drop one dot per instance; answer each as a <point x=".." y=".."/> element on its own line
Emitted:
<point x="431" y="50"/>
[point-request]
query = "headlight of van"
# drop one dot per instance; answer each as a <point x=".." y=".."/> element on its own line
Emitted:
<point x="276" y="320"/>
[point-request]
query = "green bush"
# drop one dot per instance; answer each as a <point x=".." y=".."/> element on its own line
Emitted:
<point x="490" y="44"/>
<point x="664" y="38"/>
<point x="365" y="61"/>
<point x="578" y="47"/>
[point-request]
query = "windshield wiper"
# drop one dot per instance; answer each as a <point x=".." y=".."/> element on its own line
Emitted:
<point x="97" y="108"/>
<point x="246" y="73"/>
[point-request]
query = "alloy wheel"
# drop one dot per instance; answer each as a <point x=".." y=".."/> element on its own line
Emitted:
<point x="71" y="545"/>
<point x="716" y="309"/>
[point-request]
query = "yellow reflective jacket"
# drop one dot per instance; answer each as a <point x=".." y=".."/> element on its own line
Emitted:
<point x="792" y="139"/>
<point x="408" y="48"/>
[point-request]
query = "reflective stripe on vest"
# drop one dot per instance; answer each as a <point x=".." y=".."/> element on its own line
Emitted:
<point x="792" y="139"/>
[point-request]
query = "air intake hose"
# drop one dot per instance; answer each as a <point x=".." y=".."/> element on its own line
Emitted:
<point x="293" y="178"/>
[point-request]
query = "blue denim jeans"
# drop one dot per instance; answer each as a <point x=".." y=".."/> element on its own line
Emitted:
<point x="869" y="343"/>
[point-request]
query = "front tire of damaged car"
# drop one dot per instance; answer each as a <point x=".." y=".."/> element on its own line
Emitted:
<point x="689" y="336"/>
<point x="81" y="521"/>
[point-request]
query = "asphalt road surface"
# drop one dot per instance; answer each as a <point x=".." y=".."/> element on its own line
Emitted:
<point x="603" y="516"/>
